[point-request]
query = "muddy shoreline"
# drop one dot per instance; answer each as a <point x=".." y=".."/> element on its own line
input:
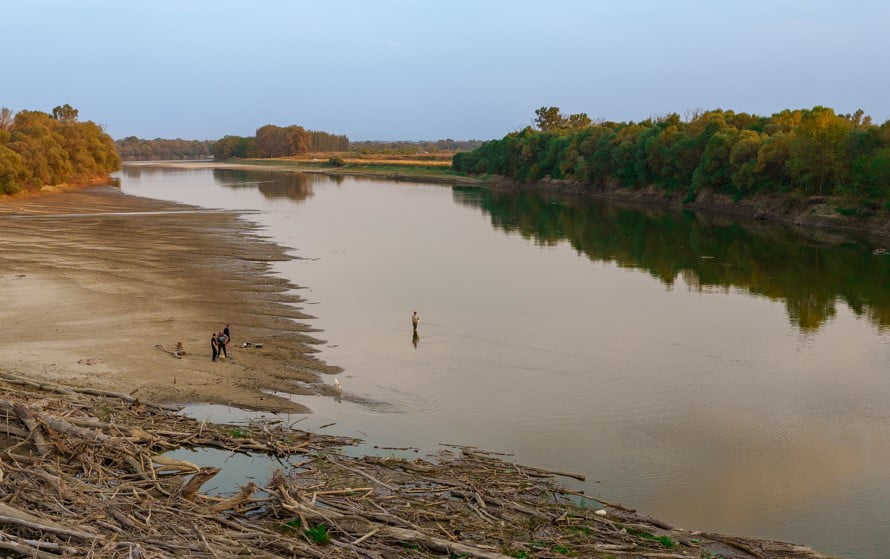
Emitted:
<point x="97" y="287"/>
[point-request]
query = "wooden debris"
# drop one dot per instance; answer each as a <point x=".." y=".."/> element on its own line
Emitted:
<point x="76" y="485"/>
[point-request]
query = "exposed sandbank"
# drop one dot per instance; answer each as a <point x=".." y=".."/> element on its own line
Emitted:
<point x="92" y="281"/>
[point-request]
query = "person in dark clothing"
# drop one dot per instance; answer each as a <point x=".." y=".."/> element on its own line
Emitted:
<point x="214" y="346"/>
<point x="227" y="333"/>
<point x="221" y="341"/>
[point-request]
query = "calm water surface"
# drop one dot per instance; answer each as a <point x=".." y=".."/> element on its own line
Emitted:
<point x="722" y="377"/>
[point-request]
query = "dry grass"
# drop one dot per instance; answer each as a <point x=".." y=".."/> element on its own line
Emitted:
<point x="437" y="159"/>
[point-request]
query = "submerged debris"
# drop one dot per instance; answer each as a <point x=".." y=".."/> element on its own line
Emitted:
<point x="83" y="474"/>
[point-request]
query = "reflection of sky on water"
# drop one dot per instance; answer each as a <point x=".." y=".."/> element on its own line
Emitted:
<point x="586" y="337"/>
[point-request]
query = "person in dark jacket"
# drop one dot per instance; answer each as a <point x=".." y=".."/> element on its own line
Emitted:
<point x="214" y="346"/>
<point x="221" y="341"/>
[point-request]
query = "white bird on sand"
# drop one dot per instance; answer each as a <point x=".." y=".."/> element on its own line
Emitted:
<point x="337" y="386"/>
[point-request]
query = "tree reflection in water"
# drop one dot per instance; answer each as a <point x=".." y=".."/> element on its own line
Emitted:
<point x="271" y="184"/>
<point x="808" y="271"/>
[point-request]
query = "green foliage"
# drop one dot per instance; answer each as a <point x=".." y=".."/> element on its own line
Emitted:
<point x="853" y="212"/>
<point x="549" y="119"/>
<point x="278" y="141"/>
<point x="663" y="540"/>
<point x="39" y="149"/>
<point x="159" y="149"/>
<point x="292" y="525"/>
<point x="235" y="146"/>
<point x="336" y="161"/>
<point x="318" y="534"/>
<point x="812" y="151"/>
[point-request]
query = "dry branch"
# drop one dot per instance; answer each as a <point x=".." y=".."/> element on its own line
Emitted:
<point x="104" y="488"/>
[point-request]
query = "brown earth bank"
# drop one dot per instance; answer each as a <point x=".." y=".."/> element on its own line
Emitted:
<point x="97" y="287"/>
<point x="791" y="208"/>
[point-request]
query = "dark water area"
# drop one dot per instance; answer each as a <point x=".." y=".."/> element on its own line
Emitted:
<point x="809" y="271"/>
<point x="720" y="375"/>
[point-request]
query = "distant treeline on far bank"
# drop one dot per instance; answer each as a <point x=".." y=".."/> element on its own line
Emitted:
<point x="277" y="141"/>
<point x="270" y="141"/>
<point x="813" y="151"/>
<point x="38" y="148"/>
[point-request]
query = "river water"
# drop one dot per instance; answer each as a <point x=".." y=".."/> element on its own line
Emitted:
<point x="721" y="376"/>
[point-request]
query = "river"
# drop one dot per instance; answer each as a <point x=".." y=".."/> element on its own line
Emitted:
<point x="720" y="376"/>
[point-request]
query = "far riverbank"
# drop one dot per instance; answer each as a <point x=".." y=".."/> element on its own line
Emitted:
<point x="818" y="212"/>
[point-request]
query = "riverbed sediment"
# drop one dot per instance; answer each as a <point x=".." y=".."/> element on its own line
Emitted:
<point x="97" y="288"/>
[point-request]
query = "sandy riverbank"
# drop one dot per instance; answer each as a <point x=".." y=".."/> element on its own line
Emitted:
<point x="92" y="281"/>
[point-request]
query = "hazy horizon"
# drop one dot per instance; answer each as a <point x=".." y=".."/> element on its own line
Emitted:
<point x="401" y="70"/>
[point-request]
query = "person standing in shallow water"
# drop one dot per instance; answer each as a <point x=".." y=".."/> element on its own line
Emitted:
<point x="415" y="320"/>
<point x="214" y="348"/>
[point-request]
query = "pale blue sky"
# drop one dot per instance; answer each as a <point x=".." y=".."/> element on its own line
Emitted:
<point x="428" y="70"/>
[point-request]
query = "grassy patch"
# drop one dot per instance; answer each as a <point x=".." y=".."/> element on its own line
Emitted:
<point x="291" y="525"/>
<point x="663" y="540"/>
<point x="318" y="534"/>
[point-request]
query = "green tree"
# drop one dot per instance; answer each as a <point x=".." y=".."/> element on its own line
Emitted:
<point x="65" y="113"/>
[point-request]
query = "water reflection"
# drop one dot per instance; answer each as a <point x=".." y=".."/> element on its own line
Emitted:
<point x="271" y="184"/>
<point x="807" y="273"/>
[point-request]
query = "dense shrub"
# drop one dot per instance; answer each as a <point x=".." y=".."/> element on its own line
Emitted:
<point x="38" y="149"/>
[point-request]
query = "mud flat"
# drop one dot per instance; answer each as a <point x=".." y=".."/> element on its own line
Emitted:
<point x="97" y="287"/>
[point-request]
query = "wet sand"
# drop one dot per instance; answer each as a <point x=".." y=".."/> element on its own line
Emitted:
<point x="95" y="284"/>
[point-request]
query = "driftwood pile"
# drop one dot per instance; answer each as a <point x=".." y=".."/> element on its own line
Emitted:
<point x="83" y="474"/>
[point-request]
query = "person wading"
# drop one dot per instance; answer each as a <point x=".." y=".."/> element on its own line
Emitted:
<point x="415" y="320"/>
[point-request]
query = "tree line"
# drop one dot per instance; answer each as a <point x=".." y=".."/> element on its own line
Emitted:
<point x="132" y="148"/>
<point x="38" y="148"/>
<point x="278" y="141"/>
<point x="813" y="151"/>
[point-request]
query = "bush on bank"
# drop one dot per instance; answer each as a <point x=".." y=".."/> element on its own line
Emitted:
<point x="38" y="148"/>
